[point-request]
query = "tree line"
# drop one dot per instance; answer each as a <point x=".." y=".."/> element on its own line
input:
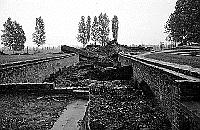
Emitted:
<point x="183" y="25"/>
<point x="14" y="36"/>
<point x="98" y="31"/>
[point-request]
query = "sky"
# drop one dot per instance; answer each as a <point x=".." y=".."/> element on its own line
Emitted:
<point x="140" y="21"/>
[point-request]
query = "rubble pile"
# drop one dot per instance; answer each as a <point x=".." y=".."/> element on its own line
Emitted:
<point x="117" y="105"/>
<point x="114" y="104"/>
<point x="72" y="76"/>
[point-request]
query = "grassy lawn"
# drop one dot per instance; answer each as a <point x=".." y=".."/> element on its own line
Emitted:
<point x="179" y="59"/>
<point x="29" y="111"/>
<point x="14" y="58"/>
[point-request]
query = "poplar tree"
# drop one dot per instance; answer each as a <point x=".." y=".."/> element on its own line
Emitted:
<point x="94" y="30"/>
<point x="39" y="35"/>
<point x="103" y="29"/>
<point x="115" y="27"/>
<point x="82" y="31"/>
<point x="88" y="28"/>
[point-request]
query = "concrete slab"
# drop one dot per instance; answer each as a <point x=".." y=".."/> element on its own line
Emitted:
<point x="70" y="116"/>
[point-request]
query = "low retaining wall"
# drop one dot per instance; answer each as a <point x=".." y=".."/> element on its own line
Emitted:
<point x="26" y="88"/>
<point x="166" y="89"/>
<point x="35" y="71"/>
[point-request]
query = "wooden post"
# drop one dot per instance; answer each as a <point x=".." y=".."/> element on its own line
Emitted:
<point x="27" y="49"/>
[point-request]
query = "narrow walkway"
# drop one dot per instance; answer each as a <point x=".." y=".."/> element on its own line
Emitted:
<point x="70" y="116"/>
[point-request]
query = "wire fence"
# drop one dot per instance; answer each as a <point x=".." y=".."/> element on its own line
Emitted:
<point x="32" y="50"/>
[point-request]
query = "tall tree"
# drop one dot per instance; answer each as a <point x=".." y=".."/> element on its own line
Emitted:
<point x="94" y="30"/>
<point x="13" y="35"/>
<point x="103" y="29"/>
<point x="39" y="35"/>
<point x="88" y="28"/>
<point x="183" y="24"/>
<point x="115" y="27"/>
<point x="82" y="31"/>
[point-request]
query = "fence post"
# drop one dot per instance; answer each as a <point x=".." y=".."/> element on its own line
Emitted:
<point x="27" y="49"/>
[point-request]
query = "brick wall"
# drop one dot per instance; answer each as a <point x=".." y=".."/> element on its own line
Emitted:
<point x="35" y="72"/>
<point x="170" y="89"/>
<point x="161" y="83"/>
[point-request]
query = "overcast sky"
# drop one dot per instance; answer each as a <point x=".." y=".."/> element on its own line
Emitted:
<point x="140" y="21"/>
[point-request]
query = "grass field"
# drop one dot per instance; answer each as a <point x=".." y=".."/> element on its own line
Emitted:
<point x="14" y="58"/>
<point x="179" y="59"/>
